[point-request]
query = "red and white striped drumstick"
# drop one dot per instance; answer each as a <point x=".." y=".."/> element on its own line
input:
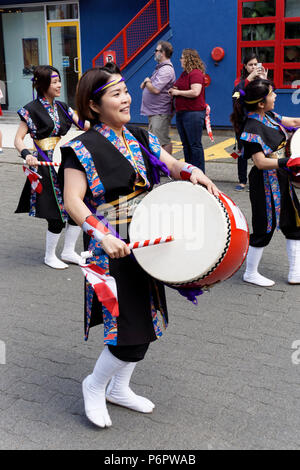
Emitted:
<point x="134" y="245"/>
<point x="151" y="242"/>
<point x="44" y="163"/>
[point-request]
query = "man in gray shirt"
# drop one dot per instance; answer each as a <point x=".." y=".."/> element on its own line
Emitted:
<point x="156" y="102"/>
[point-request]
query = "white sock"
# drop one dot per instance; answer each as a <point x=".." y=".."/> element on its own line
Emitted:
<point x="251" y="274"/>
<point x="119" y="392"/>
<point x="71" y="235"/>
<point x="50" y="256"/>
<point x="293" y="251"/>
<point x="94" y="385"/>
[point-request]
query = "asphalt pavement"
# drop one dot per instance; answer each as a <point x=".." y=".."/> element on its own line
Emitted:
<point x="223" y="376"/>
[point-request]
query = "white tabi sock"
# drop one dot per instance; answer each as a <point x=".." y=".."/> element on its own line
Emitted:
<point x="71" y="235"/>
<point x="293" y="251"/>
<point x="94" y="385"/>
<point x="50" y="256"/>
<point x="251" y="274"/>
<point x="119" y="392"/>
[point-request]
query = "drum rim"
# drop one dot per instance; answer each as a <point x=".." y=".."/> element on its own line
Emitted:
<point x="220" y="259"/>
<point x="212" y="269"/>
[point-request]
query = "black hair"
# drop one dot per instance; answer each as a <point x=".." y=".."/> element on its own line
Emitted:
<point x="41" y="80"/>
<point x="256" y="90"/>
<point x="248" y="56"/>
<point x="90" y="81"/>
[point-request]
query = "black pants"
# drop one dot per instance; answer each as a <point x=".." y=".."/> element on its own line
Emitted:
<point x="132" y="353"/>
<point x="56" y="225"/>
<point x="242" y="164"/>
<point x="260" y="238"/>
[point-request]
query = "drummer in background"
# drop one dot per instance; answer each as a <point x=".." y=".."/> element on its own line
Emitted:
<point x="101" y="166"/>
<point x="273" y="199"/>
<point x="46" y="119"/>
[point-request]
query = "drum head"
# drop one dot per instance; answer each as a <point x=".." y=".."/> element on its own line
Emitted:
<point x="295" y="143"/>
<point x="295" y="150"/>
<point x="198" y="222"/>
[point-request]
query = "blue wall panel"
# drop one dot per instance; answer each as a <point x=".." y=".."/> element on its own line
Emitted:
<point x="202" y="26"/>
<point x="100" y="21"/>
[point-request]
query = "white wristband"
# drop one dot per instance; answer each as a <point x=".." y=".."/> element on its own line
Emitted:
<point x="187" y="170"/>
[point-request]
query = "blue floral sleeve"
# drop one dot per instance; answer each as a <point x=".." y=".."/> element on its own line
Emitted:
<point x="25" y="117"/>
<point x="154" y="145"/>
<point x="277" y="116"/>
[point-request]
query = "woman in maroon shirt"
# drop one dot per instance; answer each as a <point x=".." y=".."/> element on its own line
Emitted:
<point x="189" y="91"/>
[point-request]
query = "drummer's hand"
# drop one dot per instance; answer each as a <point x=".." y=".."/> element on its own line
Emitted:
<point x="114" y="247"/>
<point x="31" y="161"/>
<point x="198" y="177"/>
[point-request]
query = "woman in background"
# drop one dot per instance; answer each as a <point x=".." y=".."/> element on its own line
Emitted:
<point x="250" y="72"/>
<point x="190" y="106"/>
<point x="46" y="119"/>
<point x="273" y="199"/>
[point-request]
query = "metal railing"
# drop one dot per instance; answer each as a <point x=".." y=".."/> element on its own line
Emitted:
<point x="151" y="20"/>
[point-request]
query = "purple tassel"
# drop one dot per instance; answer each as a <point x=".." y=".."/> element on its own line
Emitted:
<point x="289" y="129"/>
<point x="80" y="124"/>
<point x="156" y="166"/>
<point x="190" y="293"/>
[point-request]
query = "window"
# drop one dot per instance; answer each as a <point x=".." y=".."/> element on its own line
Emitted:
<point x="271" y="29"/>
<point x="62" y="12"/>
<point x="259" y="9"/>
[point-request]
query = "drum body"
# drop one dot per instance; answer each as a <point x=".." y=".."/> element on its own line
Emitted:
<point x="211" y="235"/>
<point x="292" y="149"/>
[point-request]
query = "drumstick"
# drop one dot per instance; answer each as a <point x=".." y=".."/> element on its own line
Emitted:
<point x="132" y="246"/>
<point x="44" y="163"/>
<point x="151" y="242"/>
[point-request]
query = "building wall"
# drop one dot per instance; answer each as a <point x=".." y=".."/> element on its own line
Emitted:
<point x="100" y="21"/>
<point x="203" y="25"/>
<point x="192" y="28"/>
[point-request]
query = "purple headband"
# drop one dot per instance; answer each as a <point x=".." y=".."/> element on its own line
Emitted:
<point x="52" y="76"/>
<point x="33" y="79"/>
<point x="111" y="83"/>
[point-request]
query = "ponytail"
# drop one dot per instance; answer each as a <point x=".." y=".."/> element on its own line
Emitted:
<point x="238" y="116"/>
<point x="247" y="101"/>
